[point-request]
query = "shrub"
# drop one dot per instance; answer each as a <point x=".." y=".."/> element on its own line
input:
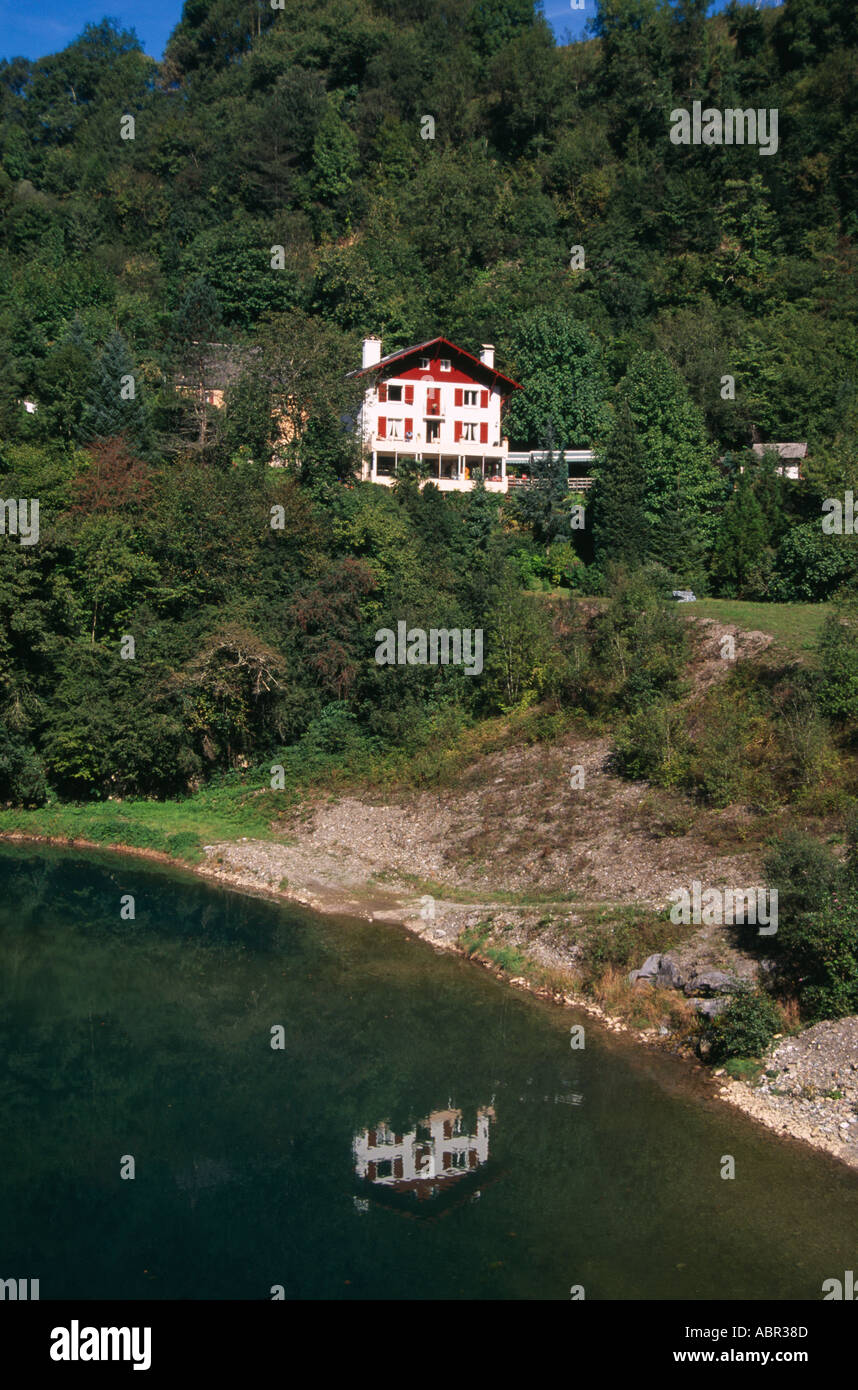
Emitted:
<point x="745" y="1028"/>
<point x="838" y="658"/>
<point x="640" y="642"/>
<point x="22" y="775"/>
<point x="822" y="951"/>
<point x="653" y="745"/>
<point x="804" y="871"/>
<point x="719" y="765"/>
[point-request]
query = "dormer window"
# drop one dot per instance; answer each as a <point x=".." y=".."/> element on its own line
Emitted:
<point x="445" y="364"/>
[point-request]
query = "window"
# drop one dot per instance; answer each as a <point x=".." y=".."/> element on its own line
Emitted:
<point x="394" y="393"/>
<point x="433" y="432"/>
<point x="469" y="432"/>
<point x="471" y="398"/>
<point x="424" y="364"/>
<point x="445" y="364"/>
<point x="394" y="429"/>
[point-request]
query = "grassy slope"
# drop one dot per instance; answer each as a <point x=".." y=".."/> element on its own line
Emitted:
<point x="794" y="625"/>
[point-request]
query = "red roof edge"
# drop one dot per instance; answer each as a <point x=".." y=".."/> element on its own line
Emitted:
<point x="430" y="342"/>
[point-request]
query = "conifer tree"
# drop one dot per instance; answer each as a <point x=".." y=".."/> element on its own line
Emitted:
<point x="742" y="560"/>
<point x="113" y="406"/>
<point x="620" y="529"/>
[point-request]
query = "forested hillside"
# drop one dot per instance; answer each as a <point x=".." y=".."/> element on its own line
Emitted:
<point x="433" y="168"/>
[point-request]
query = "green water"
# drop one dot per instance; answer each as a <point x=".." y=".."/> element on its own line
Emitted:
<point x="152" y="1038"/>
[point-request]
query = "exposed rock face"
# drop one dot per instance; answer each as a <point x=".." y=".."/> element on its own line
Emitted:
<point x="663" y="972"/>
<point x="660" y="971"/>
<point x="710" y="982"/>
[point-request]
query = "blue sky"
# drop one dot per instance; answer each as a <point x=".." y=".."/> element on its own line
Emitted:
<point x="32" y="28"/>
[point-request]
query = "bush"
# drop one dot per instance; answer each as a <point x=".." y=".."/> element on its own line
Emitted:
<point x="804" y="872"/>
<point x="719" y="765"/>
<point x="822" y="951"/>
<point x="745" y="1028"/>
<point x="838" y="658"/>
<point x="653" y="745"/>
<point x="640" y="643"/>
<point x="22" y="775"/>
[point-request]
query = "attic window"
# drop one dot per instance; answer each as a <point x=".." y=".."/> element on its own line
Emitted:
<point x="445" y="364"/>
<point x="424" y="364"/>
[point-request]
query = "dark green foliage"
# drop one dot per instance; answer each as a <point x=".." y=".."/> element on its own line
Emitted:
<point x="621" y="531"/>
<point x="301" y="128"/>
<point x="22" y="775"/>
<point x="742" y="558"/>
<point x="816" y="946"/>
<point x="838" y="659"/>
<point x="640" y="644"/>
<point x="745" y="1028"/>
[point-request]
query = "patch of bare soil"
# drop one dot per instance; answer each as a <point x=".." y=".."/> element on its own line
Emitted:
<point x="710" y="663"/>
<point x="514" y="825"/>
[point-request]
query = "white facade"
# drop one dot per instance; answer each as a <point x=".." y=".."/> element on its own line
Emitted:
<point x="406" y="1162"/>
<point x="436" y="403"/>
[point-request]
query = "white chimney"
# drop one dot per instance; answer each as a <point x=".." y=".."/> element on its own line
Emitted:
<point x="487" y="354"/>
<point x="371" y="352"/>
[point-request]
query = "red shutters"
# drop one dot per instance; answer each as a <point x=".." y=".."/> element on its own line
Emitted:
<point x="457" y="430"/>
<point x="409" y="395"/>
<point x="484" y="400"/>
<point x="382" y="427"/>
<point x="484" y="432"/>
<point x="458" y="397"/>
<point x="409" y="428"/>
<point x="382" y="393"/>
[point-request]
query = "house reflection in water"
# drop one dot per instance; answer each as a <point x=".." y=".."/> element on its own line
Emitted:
<point x="434" y="1158"/>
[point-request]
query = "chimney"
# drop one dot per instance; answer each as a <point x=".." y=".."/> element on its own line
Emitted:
<point x="371" y="352"/>
<point x="487" y="354"/>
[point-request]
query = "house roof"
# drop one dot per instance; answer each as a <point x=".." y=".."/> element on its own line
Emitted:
<point x="784" y="451"/>
<point x="392" y="357"/>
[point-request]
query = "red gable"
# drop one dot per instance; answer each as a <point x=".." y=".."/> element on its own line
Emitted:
<point x="465" y="369"/>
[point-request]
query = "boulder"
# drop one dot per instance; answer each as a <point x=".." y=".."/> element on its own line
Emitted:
<point x="709" y="1008"/>
<point x="648" y="971"/>
<point x="712" y="982"/>
<point x="659" y="971"/>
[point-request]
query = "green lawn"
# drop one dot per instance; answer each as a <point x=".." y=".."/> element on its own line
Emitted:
<point x="794" y="625"/>
<point x="179" y="828"/>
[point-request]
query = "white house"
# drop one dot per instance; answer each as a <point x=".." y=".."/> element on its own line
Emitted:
<point x="436" y="402"/>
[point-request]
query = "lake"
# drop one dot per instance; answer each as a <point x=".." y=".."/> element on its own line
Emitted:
<point x="424" y="1131"/>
